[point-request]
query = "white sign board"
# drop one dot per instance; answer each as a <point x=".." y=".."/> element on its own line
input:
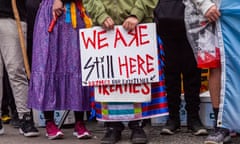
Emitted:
<point x="119" y="56"/>
<point x="123" y="93"/>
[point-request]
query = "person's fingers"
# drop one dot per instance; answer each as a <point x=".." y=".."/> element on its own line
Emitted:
<point x="212" y="14"/>
<point x="215" y="17"/>
<point x="108" y="24"/>
<point x="210" y="19"/>
<point x="126" y="25"/>
<point x="218" y="13"/>
<point x="130" y="23"/>
<point x="111" y="23"/>
<point x="54" y="15"/>
<point x="57" y="12"/>
<point x="58" y="8"/>
<point x="129" y="27"/>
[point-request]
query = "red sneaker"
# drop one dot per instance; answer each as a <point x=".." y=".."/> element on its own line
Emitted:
<point x="52" y="131"/>
<point x="80" y="131"/>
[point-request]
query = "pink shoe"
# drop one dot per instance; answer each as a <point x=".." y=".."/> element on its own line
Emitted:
<point x="80" y="131"/>
<point x="53" y="132"/>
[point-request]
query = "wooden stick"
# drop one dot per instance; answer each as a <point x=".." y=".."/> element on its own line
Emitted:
<point x="21" y="38"/>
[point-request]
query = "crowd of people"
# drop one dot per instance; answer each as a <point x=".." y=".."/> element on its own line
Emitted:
<point x="54" y="56"/>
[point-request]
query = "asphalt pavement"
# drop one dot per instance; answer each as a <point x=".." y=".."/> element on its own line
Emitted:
<point x="12" y="136"/>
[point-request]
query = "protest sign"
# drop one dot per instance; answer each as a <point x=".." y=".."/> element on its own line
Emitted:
<point x="123" y="93"/>
<point x="117" y="56"/>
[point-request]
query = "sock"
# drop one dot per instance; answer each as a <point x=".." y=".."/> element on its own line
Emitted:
<point x="215" y="111"/>
<point x="49" y="116"/>
<point x="78" y="116"/>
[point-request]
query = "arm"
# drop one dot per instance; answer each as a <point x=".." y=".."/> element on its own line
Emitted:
<point x="208" y="8"/>
<point x="96" y="10"/>
<point x="142" y="9"/>
<point x="57" y="8"/>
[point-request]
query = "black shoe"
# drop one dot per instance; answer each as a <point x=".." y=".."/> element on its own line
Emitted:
<point x="195" y="125"/>
<point x="15" y="122"/>
<point x="112" y="136"/>
<point x="1" y="128"/>
<point x="171" y="127"/>
<point x="27" y="127"/>
<point x="138" y="136"/>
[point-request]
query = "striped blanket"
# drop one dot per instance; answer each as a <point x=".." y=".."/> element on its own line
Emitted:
<point x="137" y="111"/>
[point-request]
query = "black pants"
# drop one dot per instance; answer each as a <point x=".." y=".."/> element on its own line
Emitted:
<point x="8" y="99"/>
<point x="32" y="8"/>
<point x="180" y="60"/>
<point x="119" y="125"/>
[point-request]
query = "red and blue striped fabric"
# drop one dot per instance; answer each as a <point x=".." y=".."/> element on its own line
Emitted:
<point x="136" y="111"/>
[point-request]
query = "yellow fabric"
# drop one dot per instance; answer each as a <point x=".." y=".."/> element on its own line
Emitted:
<point x="73" y="15"/>
<point x="86" y="19"/>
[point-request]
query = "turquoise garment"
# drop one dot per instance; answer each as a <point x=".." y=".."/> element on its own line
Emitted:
<point x="230" y="98"/>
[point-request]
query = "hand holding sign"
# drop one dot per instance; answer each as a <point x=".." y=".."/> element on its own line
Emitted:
<point x="119" y="55"/>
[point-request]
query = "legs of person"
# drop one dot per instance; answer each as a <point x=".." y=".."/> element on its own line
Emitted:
<point x="219" y="135"/>
<point x="11" y="99"/>
<point x="52" y="131"/>
<point x="5" y="99"/>
<point x="215" y="88"/>
<point x="12" y="57"/>
<point x="138" y="135"/>
<point x="173" y="84"/>
<point x="15" y="68"/>
<point x="113" y="133"/>
<point x="31" y="7"/>
<point x="80" y="131"/>
<point x="14" y="114"/>
<point x="8" y="102"/>
<point x="191" y="85"/>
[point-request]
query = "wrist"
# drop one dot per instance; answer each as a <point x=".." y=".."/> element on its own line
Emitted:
<point x="133" y="16"/>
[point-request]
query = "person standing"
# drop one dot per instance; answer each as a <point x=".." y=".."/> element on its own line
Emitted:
<point x="180" y="65"/>
<point x="207" y="11"/>
<point x="128" y="13"/>
<point x="12" y="59"/>
<point x="55" y="82"/>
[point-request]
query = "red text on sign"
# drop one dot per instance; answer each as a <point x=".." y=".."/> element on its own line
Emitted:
<point x="133" y="88"/>
<point x="138" y="65"/>
<point x="98" y="39"/>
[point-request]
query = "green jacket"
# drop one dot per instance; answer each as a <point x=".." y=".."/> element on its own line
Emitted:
<point x="119" y="10"/>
